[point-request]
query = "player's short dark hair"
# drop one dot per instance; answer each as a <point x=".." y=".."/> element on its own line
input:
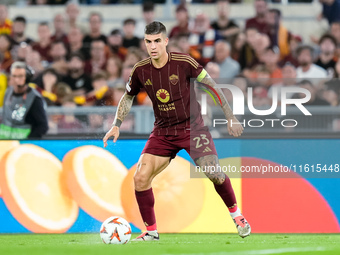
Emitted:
<point x="155" y="28"/>
<point x="148" y="6"/>
<point x="129" y="21"/>
<point x="329" y="37"/>
<point x="20" y="19"/>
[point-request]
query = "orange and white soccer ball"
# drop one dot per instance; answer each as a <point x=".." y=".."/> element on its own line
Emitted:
<point x="115" y="230"/>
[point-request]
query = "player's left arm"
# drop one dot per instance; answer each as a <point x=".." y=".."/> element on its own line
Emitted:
<point x="234" y="127"/>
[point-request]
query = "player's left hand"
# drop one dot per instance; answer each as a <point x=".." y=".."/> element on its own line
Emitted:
<point x="234" y="127"/>
<point x="114" y="131"/>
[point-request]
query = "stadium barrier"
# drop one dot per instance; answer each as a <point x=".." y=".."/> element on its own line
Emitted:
<point x="93" y="122"/>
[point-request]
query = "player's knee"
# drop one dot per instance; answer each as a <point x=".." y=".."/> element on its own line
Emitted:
<point x="142" y="181"/>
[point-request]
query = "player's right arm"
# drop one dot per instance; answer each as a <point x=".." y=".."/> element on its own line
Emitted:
<point x="123" y="109"/>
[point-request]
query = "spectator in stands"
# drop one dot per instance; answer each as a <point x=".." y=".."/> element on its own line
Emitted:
<point x="237" y="43"/>
<point x="332" y="92"/>
<point x="59" y="29"/>
<point x="115" y="43"/>
<point x="294" y="42"/>
<point x="278" y="34"/>
<point x="335" y="31"/>
<point x="203" y="38"/>
<point x="225" y="26"/>
<point x="129" y="39"/>
<point x="18" y="31"/>
<point x="62" y="91"/>
<point x="183" y="25"/>
<point x="182" y="41"/>
<point x="95" y="20"/>
<point x="260" y="76"/>
<point x="248" y="58"/>
<point x="101" y="94"/>
<point x="133" y="56"/>
<point x="306" y="67"/>
<point x="33" y="59"/>
<point x="58" y="54"/>
<point x="68" y="122"/>
<point x="242" y="83"/>
<point x="213" y="69"/>
<point x="126" y="71"/>
<point x="148" y="17"/>
<point x="337" y="69"/>
<point x="229" y="68"/>
<point x="23" y="50"/>
<point x="43" y="45"/>
<point x="72" y="14"/>
<point x="114" y="71"/>
<point x="5" y="22"/>
<point x="6" y="59"/>
<point x="118" y="92"/>
<point x="326" y="60"/>
<point x="75" y="39"/>
<point x="270" y="59"/>
<point x="45" y="85"/>
<point x="289" y="79"/>
<point x="173" y="46"/>
<point x="260" y="87"/>
<point x="143" y="49"/>
<point x="259" y="21"/>
<point x="315" y="99"/>
<point x="79" y="82"/>
<point x="101" y="90"/>
<point x="330" y="10"/>
<point x="97" y="62"/>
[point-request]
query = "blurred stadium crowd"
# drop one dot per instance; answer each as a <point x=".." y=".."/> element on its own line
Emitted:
<point x="77" y="65"/>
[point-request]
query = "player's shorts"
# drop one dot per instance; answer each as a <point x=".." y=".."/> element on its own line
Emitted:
<point x="197" y="143"/>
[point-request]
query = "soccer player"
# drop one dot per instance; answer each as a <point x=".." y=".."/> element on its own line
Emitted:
<point x="165" y="76"/>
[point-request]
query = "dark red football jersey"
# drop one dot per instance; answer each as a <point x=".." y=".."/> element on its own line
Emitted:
<point x="170" y="91"/>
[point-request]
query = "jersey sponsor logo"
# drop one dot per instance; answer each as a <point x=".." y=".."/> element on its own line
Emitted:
<point x="128" y="85"/>
<point x="163" y="95"/>
<point x="167" y="107"/>
<point x="148" y="82"/>
<point x="174" y="79"/>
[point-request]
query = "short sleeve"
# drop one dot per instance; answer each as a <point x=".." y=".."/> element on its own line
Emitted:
<point x="197" y="70"/>
<point x="133" y="85"/>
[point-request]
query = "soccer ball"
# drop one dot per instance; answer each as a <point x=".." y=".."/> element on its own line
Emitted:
<point x="115" y="230"/>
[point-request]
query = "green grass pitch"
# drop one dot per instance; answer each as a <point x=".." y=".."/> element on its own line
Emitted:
<point x="186" y="244"/>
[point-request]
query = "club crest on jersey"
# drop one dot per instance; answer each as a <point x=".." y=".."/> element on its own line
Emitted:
<point x="174" y="79"/>
<point x="163" y="95"/>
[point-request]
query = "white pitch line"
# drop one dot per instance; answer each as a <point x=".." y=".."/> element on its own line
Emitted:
<point x="261" y="252"/>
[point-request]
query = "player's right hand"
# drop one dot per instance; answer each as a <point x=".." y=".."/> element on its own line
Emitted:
<point x="114" y="131"/>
